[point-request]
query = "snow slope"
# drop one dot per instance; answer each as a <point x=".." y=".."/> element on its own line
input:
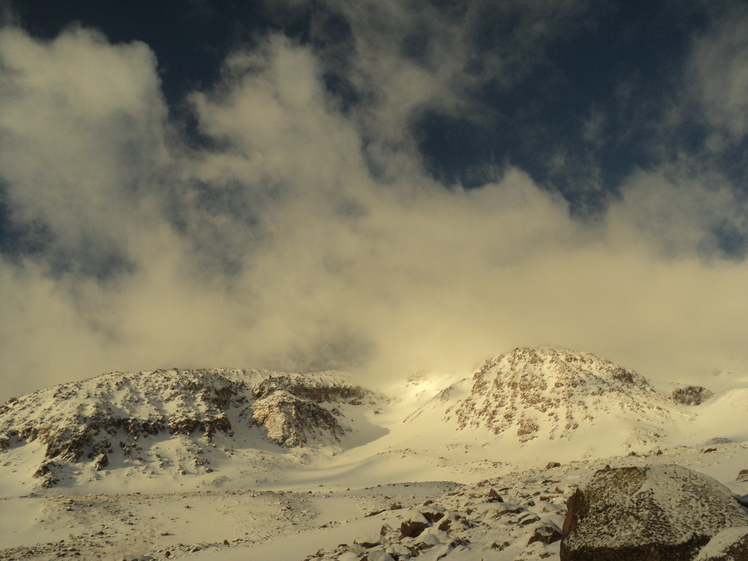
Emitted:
<point x="283" y="465"/>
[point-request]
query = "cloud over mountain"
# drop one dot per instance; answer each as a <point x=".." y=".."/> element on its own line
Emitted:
<point x="288" y="216"/>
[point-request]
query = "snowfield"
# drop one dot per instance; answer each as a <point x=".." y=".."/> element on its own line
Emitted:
<point x="236" y="465"/>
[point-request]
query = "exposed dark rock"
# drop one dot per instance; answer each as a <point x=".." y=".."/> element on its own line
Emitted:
<point x="742" y="475"/>
<point x="647" y="514"/>
<point x="302" y="387"/>
<point x="47" y="472"/>
<point x="743" y="500"/>
<point x="546" y="533"/>
<point x="432" y="515"/>
<point x="101" y="461"/>
<point x="413" y="527"/>
<point x="691" y="395"/>
<point x="494" y="497"/>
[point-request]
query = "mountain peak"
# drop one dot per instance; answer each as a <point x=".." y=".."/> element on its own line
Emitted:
<point x="551" y="391"/>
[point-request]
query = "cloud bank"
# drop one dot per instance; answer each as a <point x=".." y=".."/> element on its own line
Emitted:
<point x="299" y="230"/>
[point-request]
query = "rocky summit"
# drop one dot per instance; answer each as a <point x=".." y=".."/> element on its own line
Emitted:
<point x="549" y="393"/>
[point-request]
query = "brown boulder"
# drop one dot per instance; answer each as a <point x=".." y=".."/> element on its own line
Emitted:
<point x="659" y="513"/>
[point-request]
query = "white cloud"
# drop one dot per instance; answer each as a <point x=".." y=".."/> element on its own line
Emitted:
<point x="81" y="131"/>
<point x="278" y="246"/>
<point x="719" y="68"/>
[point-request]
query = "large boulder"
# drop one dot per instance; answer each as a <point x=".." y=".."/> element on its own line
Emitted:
<point x="662" y="513"/>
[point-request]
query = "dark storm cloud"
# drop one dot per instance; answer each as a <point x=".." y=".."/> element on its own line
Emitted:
<point x="302" y="218"/>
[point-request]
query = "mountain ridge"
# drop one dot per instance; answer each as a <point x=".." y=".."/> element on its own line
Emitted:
<point x="541" y="404"/>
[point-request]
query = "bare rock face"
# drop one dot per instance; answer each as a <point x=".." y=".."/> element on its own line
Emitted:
<point x="691" y="395"/>
<point x="647" y="514"/>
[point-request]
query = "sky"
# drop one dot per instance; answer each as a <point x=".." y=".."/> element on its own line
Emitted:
<point x="390" y="186"/>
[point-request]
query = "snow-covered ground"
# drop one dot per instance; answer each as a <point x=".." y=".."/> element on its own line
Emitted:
<point x="414" y="448"/>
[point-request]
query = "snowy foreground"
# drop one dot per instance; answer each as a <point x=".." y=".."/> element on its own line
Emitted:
<point x="291" y="468"/>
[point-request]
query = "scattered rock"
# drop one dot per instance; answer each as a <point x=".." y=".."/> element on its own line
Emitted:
<point x="647" y="513"/>
<point x="742" y="475"/>
<point x="497" y="546"/>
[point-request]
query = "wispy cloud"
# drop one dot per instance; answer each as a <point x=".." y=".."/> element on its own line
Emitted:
<point x="302" y="233"/>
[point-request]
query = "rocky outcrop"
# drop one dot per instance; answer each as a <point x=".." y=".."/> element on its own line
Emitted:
<point x="691" y="395"/>
<point x="647" y="514"/>
<point x="291" y="408"/>
<point x="311" y="389"/>
<point x="292" y="421"/>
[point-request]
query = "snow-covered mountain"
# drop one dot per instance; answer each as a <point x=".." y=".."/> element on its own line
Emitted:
<point x="176" y="416"/>
<point x="547" y="394"/>
<point x="184" y="455"/>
